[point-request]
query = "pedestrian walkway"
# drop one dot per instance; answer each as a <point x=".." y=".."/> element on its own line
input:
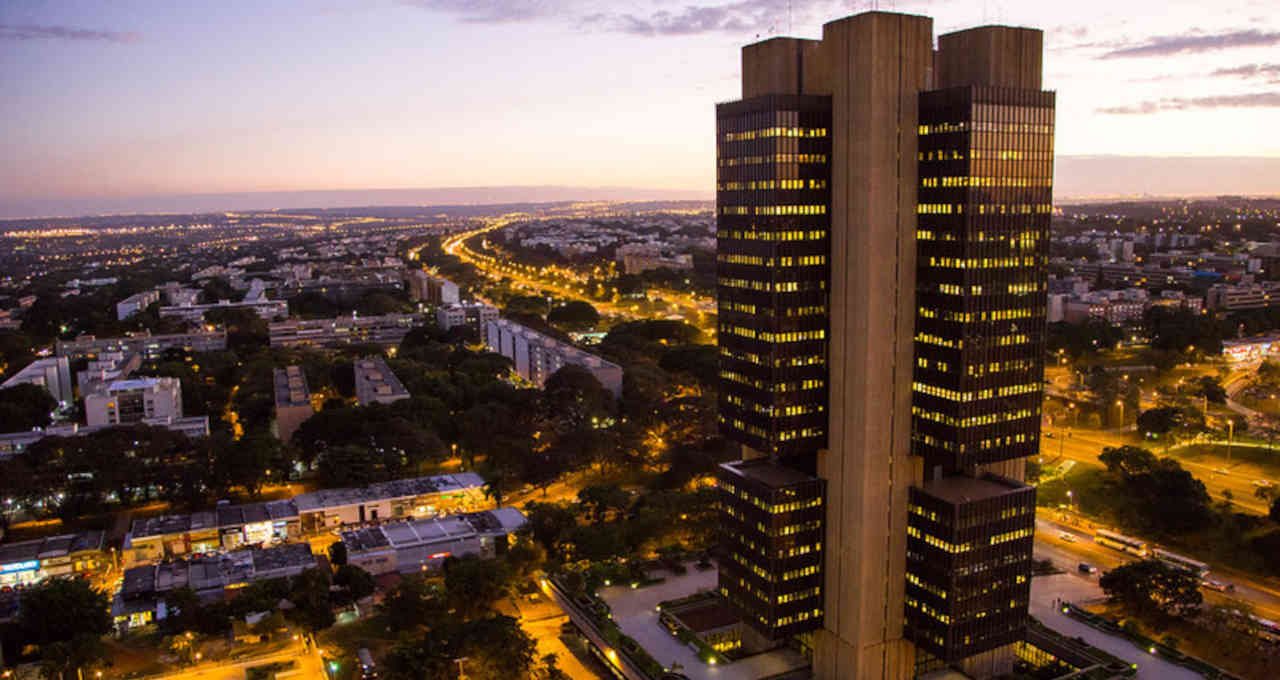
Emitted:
<point x="1048" y="591"/>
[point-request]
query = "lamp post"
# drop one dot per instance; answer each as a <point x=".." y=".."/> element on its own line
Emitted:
<point x="1231" y="438"/>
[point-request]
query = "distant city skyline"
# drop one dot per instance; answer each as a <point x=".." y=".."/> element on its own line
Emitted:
<point x="130" y="106"/>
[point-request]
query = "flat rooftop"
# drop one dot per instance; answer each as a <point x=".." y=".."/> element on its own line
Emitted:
<point x="222" y="516"/>
<point x="413" y="533"/>
<point x="374" y="379"/>
<point x="217" y="571"/>
<point x="400" y="488"/>
<point x="767" y="472"/>
<point x="566" y="350"/>
<point x="962" y="489"/>
<point x="50" y="547"/>
<point x="291" y="387"/>
<point x="136" y="384"/>
<point x="709" y="616"/>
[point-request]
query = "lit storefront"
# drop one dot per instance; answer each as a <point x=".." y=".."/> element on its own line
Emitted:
<point x="1251" y="349"/>
<point x="20" y="573"/>
<point x="29" y="562"/>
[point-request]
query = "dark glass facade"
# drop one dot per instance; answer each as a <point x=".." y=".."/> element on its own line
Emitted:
<point x="986" y="198"/>
<point x="969" y="547"/>
<point x="772" y="252"/>
<point x="771" y="546"/>
<point x="985" y="203"/>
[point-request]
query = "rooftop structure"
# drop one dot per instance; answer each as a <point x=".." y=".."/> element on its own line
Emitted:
<point x="293" y="401"/>
<point x="419" y="545"/>
<point x="327" y="499"/>
<point x="266" y="309"/>
<point x="144" y="343"/>
<point x="52" y="373"/>
<point x="375" y="383"/>
<point x="143" y="588"/>
<point x="107" y="368"/>
<point x="385" y="330"/>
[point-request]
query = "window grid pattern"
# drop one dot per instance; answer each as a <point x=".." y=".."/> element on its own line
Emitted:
<point x="772" y="198"/>
<point x="986" y="169"/>
<point x="964" y="602"/>
<point x="980" y="326"/>
<point x="770" y="566"/>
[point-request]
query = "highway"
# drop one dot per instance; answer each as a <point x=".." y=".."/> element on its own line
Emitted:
<point x="1068" y="553"/>
<point x="570" y="285"/>
<point x="1084" y="447"/>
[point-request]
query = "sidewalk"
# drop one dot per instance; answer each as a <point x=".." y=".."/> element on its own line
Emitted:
<point x="1045" y="589"/>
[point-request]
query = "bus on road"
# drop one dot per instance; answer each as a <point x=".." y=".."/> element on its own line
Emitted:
<point x="1199" y="569"/>
<point x="1120" y="542"/>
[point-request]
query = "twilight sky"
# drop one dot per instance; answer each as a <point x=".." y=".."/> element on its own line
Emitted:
<point x="133" y="98"/>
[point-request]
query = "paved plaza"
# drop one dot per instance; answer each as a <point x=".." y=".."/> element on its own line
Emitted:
<point x="635" y="612"/>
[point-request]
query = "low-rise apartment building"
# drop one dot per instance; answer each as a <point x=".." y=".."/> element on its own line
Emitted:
<point x="293" y="401"/>
<point x="1230" y="298"/>
<point x="52" y="373"/>
<point x="386" y="330"/>
<point x="424" y="287"/>
<point x="136" y="303"/>
<point x="376" y="384"/>
<point x="144" y="343"/>
<point x="537" y="356"/>
<point x="266" y="309"/>
<point x="474" y="314"/>
<point x="137" y="400"/>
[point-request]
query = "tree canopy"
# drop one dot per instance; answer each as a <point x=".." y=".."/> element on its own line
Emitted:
<point x="575" y="315"/>
<point x="62" y="609"/>
<point x="1162" y="495"/>
<point x="1153" y="587"/>
<point x="26" y="406"/>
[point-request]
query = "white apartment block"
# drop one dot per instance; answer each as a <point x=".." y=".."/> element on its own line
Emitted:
<point x="537" y="356"/>
<point x="135" y="401"/>
<point x="53" y="374"/>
